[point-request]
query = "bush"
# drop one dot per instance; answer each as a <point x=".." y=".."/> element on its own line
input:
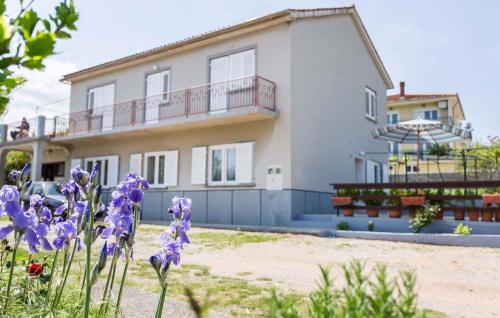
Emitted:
<point x="424" y="217"/>
<point x="463" y="229"/>
<point x="342" y="226"/>
<point x="361" y="297"/>
<point x="371" y="226"/>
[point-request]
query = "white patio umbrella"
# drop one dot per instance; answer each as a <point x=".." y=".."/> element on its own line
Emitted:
<point x="414" y="131"/>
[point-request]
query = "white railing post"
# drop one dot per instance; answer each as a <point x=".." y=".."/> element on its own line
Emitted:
<point x="40" y="127"/>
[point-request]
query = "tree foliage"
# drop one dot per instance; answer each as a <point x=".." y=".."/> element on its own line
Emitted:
<point x="485" y="157"/>
<point x="15" y="160"/>
<point x="27" y="39"/>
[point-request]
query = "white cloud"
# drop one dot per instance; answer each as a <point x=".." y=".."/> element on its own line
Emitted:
<point x="42" y="87"/>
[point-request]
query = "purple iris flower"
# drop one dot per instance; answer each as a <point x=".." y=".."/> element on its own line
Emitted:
<point x="66" y="232"/>
<point x="81" y="178"/>
<point x="26" y="223"/>
<point x="14" y="175"/>
<point x="171" y="253"/>
<point x="70" y="190"/>
<point x="37" y="201"/>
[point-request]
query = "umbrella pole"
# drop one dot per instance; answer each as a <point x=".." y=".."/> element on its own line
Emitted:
<point x="418" y="150"/>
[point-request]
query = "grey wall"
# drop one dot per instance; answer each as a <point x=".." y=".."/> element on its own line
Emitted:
<point x="189" y="69"/>
<point x="330" y="69"/>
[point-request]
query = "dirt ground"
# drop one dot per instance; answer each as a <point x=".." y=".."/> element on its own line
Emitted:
<point x="458" y="281"/>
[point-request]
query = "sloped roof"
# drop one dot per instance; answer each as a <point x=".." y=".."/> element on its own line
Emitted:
<point x="222" y="33"/>
<point x="415" y="97"/>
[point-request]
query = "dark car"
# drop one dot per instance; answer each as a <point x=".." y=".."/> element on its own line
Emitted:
<point x="49" y="190"/>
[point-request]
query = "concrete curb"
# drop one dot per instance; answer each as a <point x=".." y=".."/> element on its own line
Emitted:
<point x="257" y="228"/>
<point x="426" y="238"/>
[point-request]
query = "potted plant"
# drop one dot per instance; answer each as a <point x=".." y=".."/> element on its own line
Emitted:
<point x="344" y="199"/>
<point x="371" y="202"/>
<point x="437" y="202"/>
<point x="473" y="213"/>
<point x="412" y="201"/>
<point x="459" y="215"/>
<point x="395" y="202"/>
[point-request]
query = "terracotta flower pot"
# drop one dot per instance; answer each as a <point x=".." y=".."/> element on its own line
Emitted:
<point x="473" y="215"/>
<point x="417" y="200"/>
<point x="395" y="214"/>
<point x="493" y="198"/>
<point x="348" y="212"/>
<point x="439" y="215"/>
<point x="486" y="216"/>
<point x="459" y="215"/>
<point x="341" y="201"/>
<point x="412" y="212"/>
<point x="372" y="213"/>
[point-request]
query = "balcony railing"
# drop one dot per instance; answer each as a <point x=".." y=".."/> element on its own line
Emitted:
<point x="22" y="130"/>
<point x="443" y="120"/>
<point x="206" y="99"/>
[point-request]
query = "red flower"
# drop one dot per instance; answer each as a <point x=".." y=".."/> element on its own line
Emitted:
<point x="35" y="269"/>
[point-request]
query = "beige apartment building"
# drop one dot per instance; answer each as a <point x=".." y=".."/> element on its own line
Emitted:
<point x="252" y="121"/>
<point x="444" y="107"/>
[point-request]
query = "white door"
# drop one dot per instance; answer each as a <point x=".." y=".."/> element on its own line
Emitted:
<point x="157" y="87"/>
<point x="101" y="103"/>
<point x="219" y="75"/>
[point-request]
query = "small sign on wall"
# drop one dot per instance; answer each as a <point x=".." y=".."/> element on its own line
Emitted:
<point x="274" y="177"/>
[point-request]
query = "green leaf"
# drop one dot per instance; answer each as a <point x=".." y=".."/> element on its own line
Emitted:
<point x="63" y="35"/>
<point x="41" y="45"/>
<point x="2" y="6"/>
<point x="35" y="63"/>
<point x="28" y="22"/>
<point x="47" y="25"/>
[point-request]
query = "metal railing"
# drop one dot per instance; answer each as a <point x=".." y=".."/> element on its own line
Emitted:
<point x="205" y="99"/>
<point x="443" y="120"/>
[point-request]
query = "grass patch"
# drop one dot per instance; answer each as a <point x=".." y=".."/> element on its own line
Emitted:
<point x="235" y="296"/>
<point x="219" y="240"/>
<point x="430" y="313"/>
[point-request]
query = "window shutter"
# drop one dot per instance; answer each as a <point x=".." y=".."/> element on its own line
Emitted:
<point x="171" y="168"/>
<point x="113" y="163"/>
<point x="136" y="163"/>
<point x="244" y="162"/>
<point x="76" y="163"/>
<point x="199" y="165"/>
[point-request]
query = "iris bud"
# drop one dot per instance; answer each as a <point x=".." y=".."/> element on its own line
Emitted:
<point x="94" y="175"/>
<point x="25" y="173"/>
<point x="100" y="264"/>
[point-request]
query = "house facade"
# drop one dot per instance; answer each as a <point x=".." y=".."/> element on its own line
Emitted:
<point x="252" y="121"/>
<point x="444" y="107"/>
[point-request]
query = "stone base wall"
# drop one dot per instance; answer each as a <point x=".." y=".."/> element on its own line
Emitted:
<point x="239" y="206"/>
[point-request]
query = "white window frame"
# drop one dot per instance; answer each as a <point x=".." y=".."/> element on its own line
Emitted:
<point x="166" y="90"/>
<point x="372" y="103"/>
<point x="109" y="183"/>
<point x="391" y="143"/>
<point x="224" y="149"/>
<point x="156" y="176"/>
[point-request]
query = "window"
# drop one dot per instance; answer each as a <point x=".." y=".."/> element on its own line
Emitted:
<point x="161" y="167"/>
<point x="370" y="104"/>
<point x="393" y="147"/>
<point x="100" y="101"/>
<point x="230" y="164"/>
<point x="393" y="118"/>
<point x="158" y="84"/>
<point x="107" y="169"/>
<point x="427" y="114"/>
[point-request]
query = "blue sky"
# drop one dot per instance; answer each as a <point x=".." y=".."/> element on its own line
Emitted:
<point x="435" y="46"/>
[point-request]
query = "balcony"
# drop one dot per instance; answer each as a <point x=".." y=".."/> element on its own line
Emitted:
<point x="240" y="100"/>
<point x="236" y="101"/>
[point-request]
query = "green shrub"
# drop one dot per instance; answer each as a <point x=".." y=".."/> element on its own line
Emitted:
<point x="463" y="229"/>
<point x="424" y="217"/>
<point x="348" y="193"/>
<point x="342" y="226"/>
<point x="371" y="226"/>
<point x="395" y="201"/>
<point x="373" y="202"/>
<point x="378" y="296"/>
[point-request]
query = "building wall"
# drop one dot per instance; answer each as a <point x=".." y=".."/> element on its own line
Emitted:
<point x="330" y="69"/>
<point x="191" y="69"/>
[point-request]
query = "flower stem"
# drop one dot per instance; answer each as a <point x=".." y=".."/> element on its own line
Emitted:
<point x="161" y="301"/>
<point x="66" y="274"/>
<point x="109" y="282"/>
<point x="122" y="284"/>
<point x="52" y="273"/>
<point x="88" y="244"/>
<point x="11" y="272"/>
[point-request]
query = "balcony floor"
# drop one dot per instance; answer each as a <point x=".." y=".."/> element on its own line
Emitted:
<point x="195" y="121"/>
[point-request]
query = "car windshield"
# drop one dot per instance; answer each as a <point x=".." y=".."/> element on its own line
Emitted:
<point x="51" y="189"/>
